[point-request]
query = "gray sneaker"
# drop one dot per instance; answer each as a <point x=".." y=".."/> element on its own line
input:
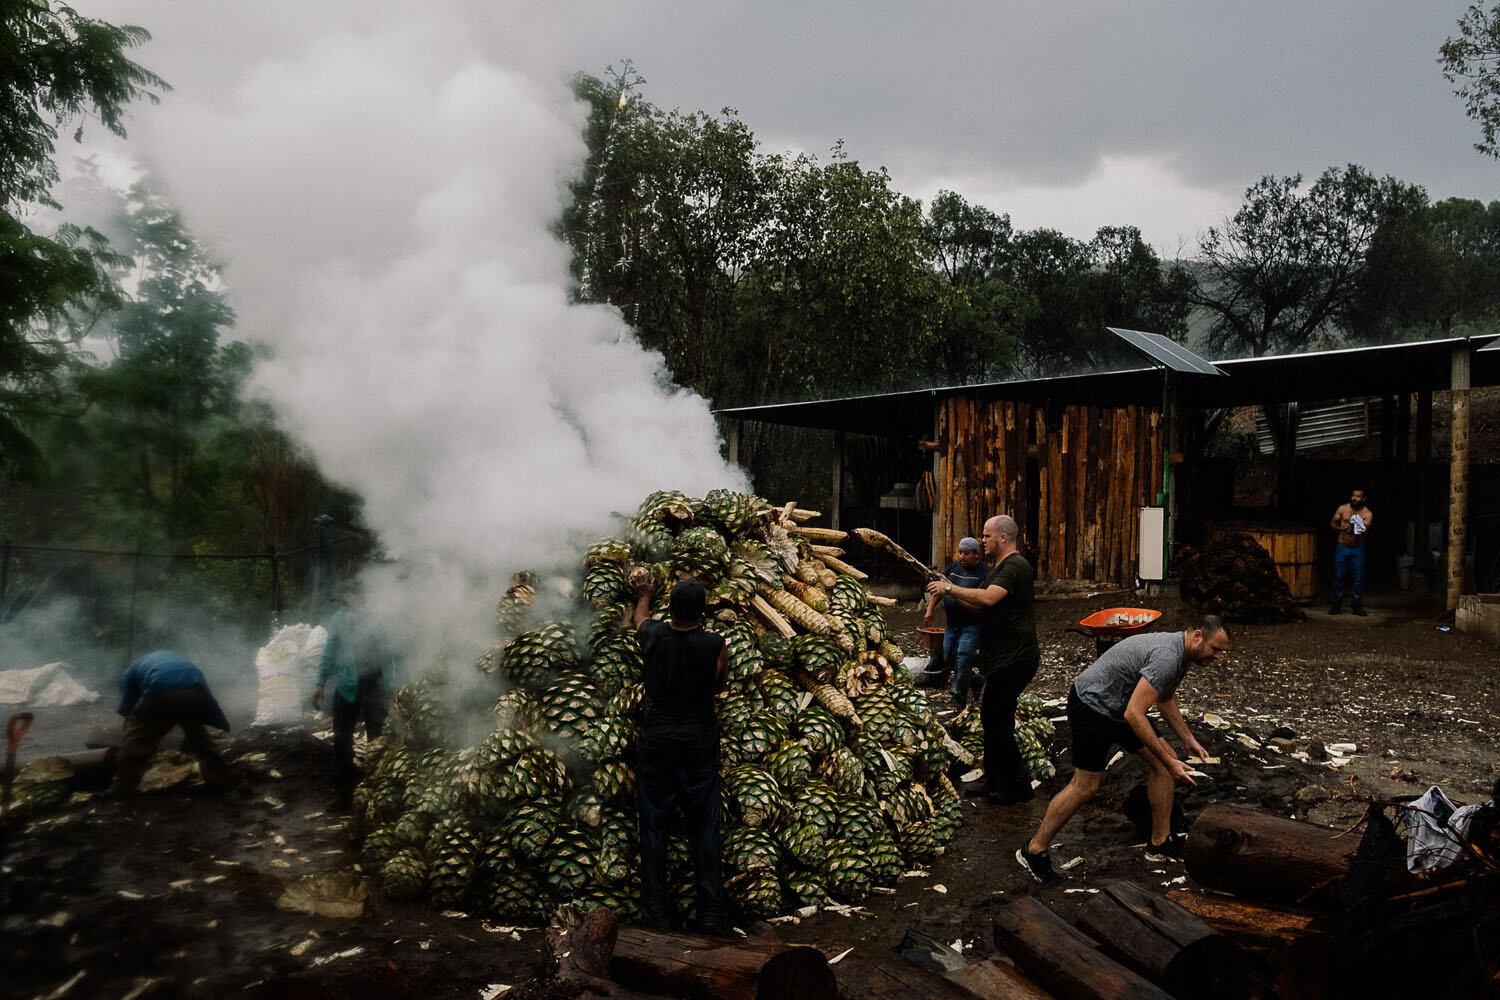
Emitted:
<point x="1039" y="866"/>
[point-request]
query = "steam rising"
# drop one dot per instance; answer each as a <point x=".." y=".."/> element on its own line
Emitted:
<point x="382" y="195"/>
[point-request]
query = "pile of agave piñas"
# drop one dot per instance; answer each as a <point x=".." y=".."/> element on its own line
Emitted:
<point x="835" y="771"/>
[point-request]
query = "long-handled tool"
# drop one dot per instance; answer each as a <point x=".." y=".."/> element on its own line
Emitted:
<point x="15" y="729"/>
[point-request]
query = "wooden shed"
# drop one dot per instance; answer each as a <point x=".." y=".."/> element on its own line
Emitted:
<point x="1075" y="459"/>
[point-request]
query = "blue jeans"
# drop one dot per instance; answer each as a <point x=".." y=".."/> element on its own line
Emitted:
<point x="959" y="645"/>
<point x="1351" y="558"/>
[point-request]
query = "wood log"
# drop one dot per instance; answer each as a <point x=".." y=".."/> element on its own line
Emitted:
<point x="885" y="602"/>
<point x="1261" y="856"/>
<point x="1164" y="942"/>
<point x="826" y="550"/>
<point x="680" y="964"/>
<point x="580" y="957"/>
<point x="878" y="540"/>
<point x="839" y="566"/>
<point x="1252" y="924"/>
<point x="879" y="975"/>
<point x="799" y="514"/>
<point x="1065" y="961"/>
<point x="993" y="979"/>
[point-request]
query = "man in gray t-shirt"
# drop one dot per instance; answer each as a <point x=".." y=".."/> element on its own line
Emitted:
<point x="1107" y="707"/>
<point x="1106" y="687"/>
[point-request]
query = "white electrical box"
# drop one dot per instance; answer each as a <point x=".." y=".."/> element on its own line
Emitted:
<point x="1153" y="542"/>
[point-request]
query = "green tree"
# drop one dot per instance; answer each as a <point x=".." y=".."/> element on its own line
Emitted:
<point x="973" y="313"/>
<point x="59" y="68"/>
<point x="1471" y="59"/>
<point x="1281" y="271"/>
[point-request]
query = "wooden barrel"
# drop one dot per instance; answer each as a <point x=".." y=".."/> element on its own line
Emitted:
<point x="1293" y="549"/>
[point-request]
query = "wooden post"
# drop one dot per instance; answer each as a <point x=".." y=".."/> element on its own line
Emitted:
<point x="1403" y="457"/>
<point x="1458" y="476"/>
<point x="939" y="510"/>
<point x="1422" y="544"/>
<point x="838" y="478"/>
<point x="736" y="425"/>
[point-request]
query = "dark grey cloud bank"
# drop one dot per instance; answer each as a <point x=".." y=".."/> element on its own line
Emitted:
<point x="1013" y="95"/>
<point x="1073" y="114"/>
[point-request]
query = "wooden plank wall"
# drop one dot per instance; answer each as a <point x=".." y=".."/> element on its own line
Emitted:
<point x="1094" y="467"/>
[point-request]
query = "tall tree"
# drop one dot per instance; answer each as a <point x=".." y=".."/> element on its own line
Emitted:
<point x="1472" y="59"/>
<point x="973" y="312"/>
<point x="1275" y="276"/>
<point x="59" y="68"/>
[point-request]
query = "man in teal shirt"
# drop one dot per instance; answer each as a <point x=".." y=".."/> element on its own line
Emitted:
<point x="358" y="669"/>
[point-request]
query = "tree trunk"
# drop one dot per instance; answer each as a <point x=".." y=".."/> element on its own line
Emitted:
<point x="1164" y="942"/>
<point x="1265" y="857"/>
<point x="993" y="979"/>
<point x="871" y="975"/>
<point x="1065" y="961"/>
<point x="1250" y="924"/>
<point x="679" y="964"/>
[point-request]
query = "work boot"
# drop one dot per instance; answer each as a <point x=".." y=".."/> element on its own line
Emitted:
<point x="1335" y="607"/>
<point x="1358" y="609"/>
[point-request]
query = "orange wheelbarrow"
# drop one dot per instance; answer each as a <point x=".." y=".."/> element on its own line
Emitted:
<point x="1113" y="624"/>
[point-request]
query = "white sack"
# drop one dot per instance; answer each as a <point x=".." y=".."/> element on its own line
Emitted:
<point x="286" y="666"/>
<point x="43" y="687"/>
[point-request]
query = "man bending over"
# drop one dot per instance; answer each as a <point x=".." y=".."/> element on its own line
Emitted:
<point x="1107" y="707"/>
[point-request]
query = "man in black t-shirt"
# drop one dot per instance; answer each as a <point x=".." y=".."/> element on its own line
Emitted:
<point x="684" y="668"/>
<point x="961" y="636"/>
<point x="1008" y="654"/>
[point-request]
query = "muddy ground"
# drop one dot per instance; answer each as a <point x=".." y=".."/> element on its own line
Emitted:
<point x="175" y="893"/>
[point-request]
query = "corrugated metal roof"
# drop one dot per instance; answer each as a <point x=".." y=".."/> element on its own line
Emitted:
<point x="1316" y="376"/>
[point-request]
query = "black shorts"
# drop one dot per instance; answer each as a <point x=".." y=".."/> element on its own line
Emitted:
<point x="1094" y="734"/>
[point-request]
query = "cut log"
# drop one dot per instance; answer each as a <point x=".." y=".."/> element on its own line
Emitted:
<point x="876" y="975"/>
<point x="993" y="979"/>
<point x="580" y="957"/>
<point x="1261" y="856"/>
<point x="585" y="949"/>
<point x="885" y="602"/>
<point x="679" y="964"/>
<point x="1252" y="924"/>
<point x="1164" y="942"/>
<point x="877" y="540"/>
<point x="1063" y="960"/>
<point x="826" y="550"/>
<point x="800" y="514"/>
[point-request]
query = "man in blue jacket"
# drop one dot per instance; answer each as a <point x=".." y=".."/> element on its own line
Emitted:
<point x="961" y="637"/>
<point x="158" y="691"/>
<point x="357" y="663"/>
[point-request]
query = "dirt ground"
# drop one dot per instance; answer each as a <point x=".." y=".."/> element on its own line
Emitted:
<point x="175" y="893"/>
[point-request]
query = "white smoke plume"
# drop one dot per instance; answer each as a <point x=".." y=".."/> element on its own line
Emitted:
<point x="380" y="179"/>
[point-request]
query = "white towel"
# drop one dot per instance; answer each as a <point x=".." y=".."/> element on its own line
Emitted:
<point x="1357" y="524"/>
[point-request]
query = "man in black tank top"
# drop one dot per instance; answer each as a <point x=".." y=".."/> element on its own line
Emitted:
<point x="685" y="668"/>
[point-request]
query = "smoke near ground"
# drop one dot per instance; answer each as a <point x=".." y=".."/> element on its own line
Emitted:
<point x="381" y="179"/>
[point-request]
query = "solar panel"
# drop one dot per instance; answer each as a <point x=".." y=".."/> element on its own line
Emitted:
<point x="1166" y="352"/>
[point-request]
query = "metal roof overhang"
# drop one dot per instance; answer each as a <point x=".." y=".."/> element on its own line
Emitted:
<point x="1323" y="375"/>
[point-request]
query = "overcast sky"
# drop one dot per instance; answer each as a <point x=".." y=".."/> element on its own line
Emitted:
<point x="1063" y="114"/>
